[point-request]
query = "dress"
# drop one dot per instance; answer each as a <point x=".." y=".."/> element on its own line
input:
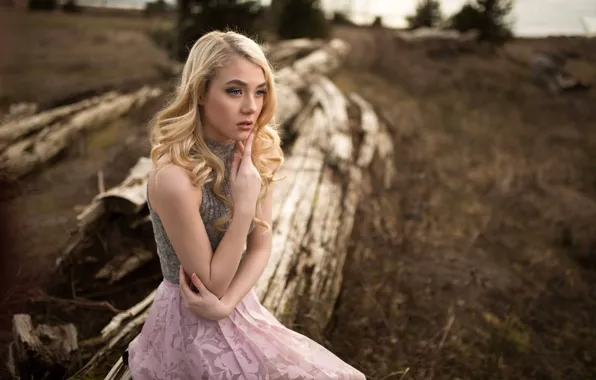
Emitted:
<point x="249" y="344"/>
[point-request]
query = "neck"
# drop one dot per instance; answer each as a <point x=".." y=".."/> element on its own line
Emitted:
<point x="220" y="148"/>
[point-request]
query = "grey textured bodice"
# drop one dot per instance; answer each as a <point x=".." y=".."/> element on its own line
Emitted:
<point x="211" y="209"/>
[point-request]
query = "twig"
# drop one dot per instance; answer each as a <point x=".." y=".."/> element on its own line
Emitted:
<point x="131" y="312"/>
<point x="403" y="373"/>
<point x="446" y="330"/>
<point x="42" y="297"/>
<point x="100" y="182"/>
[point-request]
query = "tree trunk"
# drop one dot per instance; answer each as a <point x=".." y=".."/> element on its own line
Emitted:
<point x="41" y="352"/>
<point x="25" y="155"/>
<point x="12" y="131"/>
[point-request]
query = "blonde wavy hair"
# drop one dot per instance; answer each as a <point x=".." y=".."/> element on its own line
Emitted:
<point x="177" y="132"/>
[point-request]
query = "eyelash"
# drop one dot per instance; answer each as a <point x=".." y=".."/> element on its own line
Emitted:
<point x="232" y="91"/>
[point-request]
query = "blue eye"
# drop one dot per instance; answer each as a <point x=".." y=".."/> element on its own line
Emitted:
<point x="234" y="91"/>
<point x="261" y="92"/>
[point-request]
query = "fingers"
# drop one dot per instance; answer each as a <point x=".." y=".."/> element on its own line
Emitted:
<point x="248" y="145"/>
<point x="235" y="164"/>
<point x="240" y="145"/>
<point x="184" y="286"/>
<point x="198" y="283"/>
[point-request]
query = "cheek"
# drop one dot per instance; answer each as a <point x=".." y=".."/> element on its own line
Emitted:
<point x="260" y="104"/>
<point x="218" y="110"/>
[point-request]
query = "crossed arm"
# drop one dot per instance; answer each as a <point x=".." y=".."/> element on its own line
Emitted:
<point x="256" y="257"/>
<point x="222" y="272"/>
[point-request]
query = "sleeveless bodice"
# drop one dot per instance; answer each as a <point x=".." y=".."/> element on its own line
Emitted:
<point x="211" y="209"/>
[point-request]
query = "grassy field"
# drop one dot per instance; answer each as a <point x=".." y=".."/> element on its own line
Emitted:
<point x="477" y="262"/>
<point x="57" y="58"/>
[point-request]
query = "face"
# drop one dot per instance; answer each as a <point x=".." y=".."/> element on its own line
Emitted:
<point x="234" y="101"/>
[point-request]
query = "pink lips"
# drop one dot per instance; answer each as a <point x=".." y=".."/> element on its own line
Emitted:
<point x="245" y="125"/>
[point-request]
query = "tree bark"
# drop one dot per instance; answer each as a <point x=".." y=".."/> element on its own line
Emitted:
<point x="12" y="131"/>
<point x="25" y="155"/>
<point x="41" y="352"/>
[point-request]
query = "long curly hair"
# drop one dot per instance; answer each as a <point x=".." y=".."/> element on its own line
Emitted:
<point x="177" y="132"/>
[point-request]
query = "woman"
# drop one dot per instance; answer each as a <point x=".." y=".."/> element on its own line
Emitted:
<point x="209" y="195"/>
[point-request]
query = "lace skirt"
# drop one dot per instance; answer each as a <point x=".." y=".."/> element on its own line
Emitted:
<point x="250" y="344"/>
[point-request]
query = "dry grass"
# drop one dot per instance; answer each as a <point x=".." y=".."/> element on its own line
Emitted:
<point x="479" y="261"/>
<point x="55" y="58"/>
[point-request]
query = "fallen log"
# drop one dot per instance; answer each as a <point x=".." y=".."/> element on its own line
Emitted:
<point x="121" y="265"/>
<point x="313" y="225"/>
<point x="29" y="153"/>
<point x="285" y="52"/>
<point x="321" y="62"/>
<point x="12" y="131"/>
<point x="127" y="198"/>
<point x="18" y="111"/>
<point x="41" y="352"/>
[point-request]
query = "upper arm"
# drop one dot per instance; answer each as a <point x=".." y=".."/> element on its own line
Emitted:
<point x="177" y="202"/>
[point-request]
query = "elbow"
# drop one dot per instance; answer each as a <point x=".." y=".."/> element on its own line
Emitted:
<point x="219" y="289"/>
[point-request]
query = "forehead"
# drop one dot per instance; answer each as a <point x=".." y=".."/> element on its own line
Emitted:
<point x="241" y="69"/>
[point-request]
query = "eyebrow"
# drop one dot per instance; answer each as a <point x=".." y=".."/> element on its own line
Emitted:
<point x="242" y="83"/>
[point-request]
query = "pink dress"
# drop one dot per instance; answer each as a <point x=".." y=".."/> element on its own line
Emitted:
<point x="250" y="344"/>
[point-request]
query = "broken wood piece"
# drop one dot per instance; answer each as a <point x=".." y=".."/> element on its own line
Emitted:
<point x="132" y="312"/>
<point x="285" y="52"/>
<point x="12" y="131"/>
<point x="90" y="304"/>
<point x="123" y="264"/>
<point x="125" y="334"/>
<point x="29" y="153"/>
<point x="128" y="198"/>
<point x="322" y="61"/>
<point x="369" y="123"/>
<point x="41" y="352"/>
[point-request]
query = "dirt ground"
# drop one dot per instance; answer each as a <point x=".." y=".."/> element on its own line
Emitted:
<point x="478" y="261"/>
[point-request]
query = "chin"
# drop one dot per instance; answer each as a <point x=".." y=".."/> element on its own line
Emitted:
<point x="243" y="135"/>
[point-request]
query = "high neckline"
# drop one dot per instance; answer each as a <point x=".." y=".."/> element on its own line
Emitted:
<point x="220" y="149"/>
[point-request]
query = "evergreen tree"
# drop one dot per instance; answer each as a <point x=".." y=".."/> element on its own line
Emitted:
<point x="302" y="19"/>
<point x="489" y="17"/>
<point x="428" y="14"/>
<point x="199" y="17"/>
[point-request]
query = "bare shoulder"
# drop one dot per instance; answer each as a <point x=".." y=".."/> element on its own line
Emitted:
<point x="171" y="187"/>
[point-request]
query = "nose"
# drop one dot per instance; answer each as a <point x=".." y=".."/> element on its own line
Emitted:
<point x="249" y="106"/>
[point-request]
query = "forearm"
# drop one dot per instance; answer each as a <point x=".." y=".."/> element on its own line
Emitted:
<point x="226" y="258"/>
<point x="251" y="268"/>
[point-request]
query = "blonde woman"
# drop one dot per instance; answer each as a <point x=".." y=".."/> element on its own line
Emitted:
<point x="209" y="195"/>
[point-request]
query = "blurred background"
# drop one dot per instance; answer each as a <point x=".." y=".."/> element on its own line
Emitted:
<point x="474" y="259"/>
